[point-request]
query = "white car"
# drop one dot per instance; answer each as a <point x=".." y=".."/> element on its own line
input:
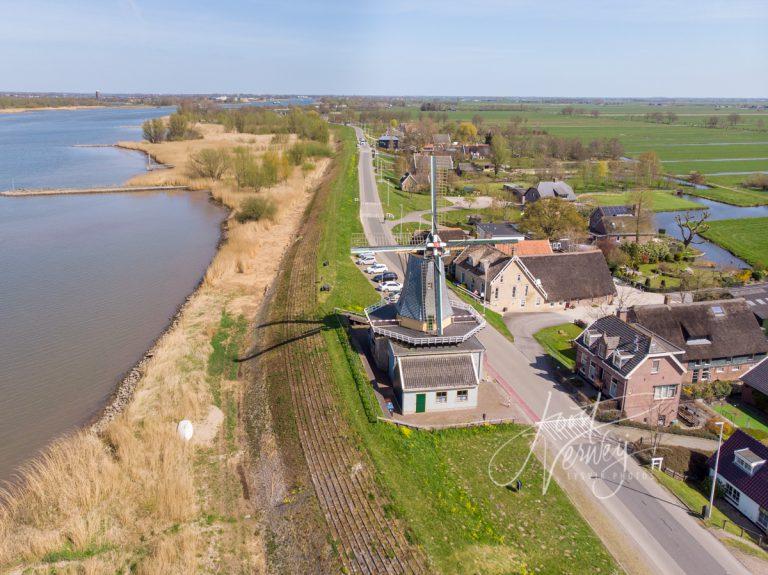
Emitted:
<point x="390" y="286"/>
<point x="376" y="269"/>
<point x="366" y="261"/>
<point x="393" y="297"/>
<point x="371" y="255"/>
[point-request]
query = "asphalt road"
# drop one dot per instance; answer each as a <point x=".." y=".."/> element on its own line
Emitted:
<point x="665" y="538"/>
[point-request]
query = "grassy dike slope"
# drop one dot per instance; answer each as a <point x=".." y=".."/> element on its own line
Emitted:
<point x="436" y="485"/>
<point x="132" y="497"/>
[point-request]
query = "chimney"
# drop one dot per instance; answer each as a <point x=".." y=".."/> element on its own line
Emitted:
<point x="622" y="313"/>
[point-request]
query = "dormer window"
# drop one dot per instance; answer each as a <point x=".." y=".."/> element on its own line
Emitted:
<point x="747" y="460"/>
<point x="591" y="337"/>
<point x="620" y="359"/>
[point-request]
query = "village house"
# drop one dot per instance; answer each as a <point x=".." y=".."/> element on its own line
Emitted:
<point x="527" y="248"/>
<point x="742" y="476"/>
<point x="534" y="282"/>
<point x="441" y="141"/>
<point x="502" y="231"/>
<point x="721" y="338"/>
<point x="389" y="142"/>
<point x="476" y="151"/>
<point x="557" y="189"/>
<point x="616" y="223"/>
<point x="755" y="389"/>
<point x="633" y="366"/>
<point x="465" y="168"/>
<point x="417" y="178"/>
<point x="756" y="296"/>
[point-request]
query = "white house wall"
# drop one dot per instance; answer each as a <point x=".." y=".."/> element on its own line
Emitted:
<point x="747" y="507"/>
<point x="409" y="401"/>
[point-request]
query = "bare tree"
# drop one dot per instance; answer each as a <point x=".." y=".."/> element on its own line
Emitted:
<point x="691" y="224"/>
<point x="642" y="201"/>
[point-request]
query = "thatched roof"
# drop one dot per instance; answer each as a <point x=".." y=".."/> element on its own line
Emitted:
<point x="572" y="276"/>
<point x="705" y="330"/>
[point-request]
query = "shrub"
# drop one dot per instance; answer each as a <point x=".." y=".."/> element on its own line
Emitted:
<point x="677" y="458"/>
<point x="713" y="428"/>
<point x="759" y="434"/>
<point x="209" y="163"/>
<point x="647" y="282"/>
<point x="302" y="151"/>
<point x="255" y="209"/>
<point x="154" y="130"/>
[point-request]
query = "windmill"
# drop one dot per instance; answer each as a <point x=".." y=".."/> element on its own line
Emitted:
<point x="424" y="304"/>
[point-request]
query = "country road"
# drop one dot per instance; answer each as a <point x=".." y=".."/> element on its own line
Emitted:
<point x="643" y="525"/>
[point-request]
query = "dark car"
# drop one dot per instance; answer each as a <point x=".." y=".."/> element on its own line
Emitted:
<point x="385" y="277"/>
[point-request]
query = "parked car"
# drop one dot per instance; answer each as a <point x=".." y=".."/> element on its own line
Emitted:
<point x="390" y="286"/>
<point x="367" y="261"/>
<point x="376" y="269"/>
<point x="366" y="255"/>
<point x="385" y="277"/>
<point x="393" y="297"/>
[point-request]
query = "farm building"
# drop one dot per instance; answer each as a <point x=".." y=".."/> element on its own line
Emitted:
<point x="755" y="390"/>
<point x="557" y="189"/>
<point x="534" y="282"/>
<point x="721" y="338"/>
<point x="617" y="223"/>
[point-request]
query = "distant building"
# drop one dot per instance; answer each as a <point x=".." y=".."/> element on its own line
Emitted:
<point x="633" y="366"/>
<point x="616" y="223"/>
<point x="465" y="168"/>
<point x="534" y="282"/>
<point x="556" y="189"/>
<point x="417" y="177"/>
<point x="389" y="142"/>
<point x="441" y="140"/>
<point x="526" y="248"/>
<point x="502" y="231"/>
<point x="742" y="476"/>
<point x="517" y="191"/>
<point x="721" y="338"/>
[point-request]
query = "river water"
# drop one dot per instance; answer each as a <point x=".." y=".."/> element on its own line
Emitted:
<point x="87" y="282"/>
<point x="718" y="211"/>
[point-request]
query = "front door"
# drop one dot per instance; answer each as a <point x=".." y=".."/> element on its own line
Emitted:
<point x="421" y="402"/>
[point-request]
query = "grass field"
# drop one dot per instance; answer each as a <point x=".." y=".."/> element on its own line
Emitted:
<point x="663" y="201"/>
<point x="556" y="340"/>
<point x="737" y="196"/>
<point x="438" y="481"/>
<point x="746" y="238"/>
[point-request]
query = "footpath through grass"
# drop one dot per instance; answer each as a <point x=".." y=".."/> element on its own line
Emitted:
<point x="439" y="482"/>
<point x="556" y="340"/>
<point x="746" y="238"/>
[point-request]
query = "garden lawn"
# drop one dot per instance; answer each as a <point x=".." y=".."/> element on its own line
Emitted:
<point x="744" y="416"/>
<point x="746" y="238"/>
<point x="663" y="201"/>
<point x="493" y="318"/>
<point x="556" y="341"/>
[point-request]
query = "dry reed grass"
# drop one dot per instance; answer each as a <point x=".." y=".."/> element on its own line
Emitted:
<point x="134" y="494"/>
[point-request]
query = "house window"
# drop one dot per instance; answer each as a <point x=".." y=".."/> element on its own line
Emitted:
<point x="695" y="376"/>
<point x="514" y="292"/>
<point x="614" y="387"/>
<point x="762" y="518"/>
<point x="592" y="371"/>
<point x="496" y="293"/>
<point x="730" y="492"/>
<point x="462" y="395"/>
<point x="526" y="290"/>
<point x="735" y="368"/>
<point x="442" y="397"/>
<point x="743" y="465"/>
<point x="655" y="366"/>
<point x="664" y="391"/>
<point x="720" y="369"/>
<point x="522" y="302"/>
<point x="462" y="277"/>
<point x="583" y="364"/>
<point x="501" y="279"/>
<point x="538" y="300"/>
<point x="518" y="278"/>
<point x="705" y="374"/>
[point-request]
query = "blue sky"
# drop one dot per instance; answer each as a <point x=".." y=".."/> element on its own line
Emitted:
<point x="682" y="48"/>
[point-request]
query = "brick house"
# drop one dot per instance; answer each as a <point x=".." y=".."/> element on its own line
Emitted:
<point x="721" y="338"/>
<point x="633" y="366"/>
<point x="536" y="282"/>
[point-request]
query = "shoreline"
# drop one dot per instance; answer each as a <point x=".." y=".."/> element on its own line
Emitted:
<point x="22" y="110"/>
<point x="125" y="385"/>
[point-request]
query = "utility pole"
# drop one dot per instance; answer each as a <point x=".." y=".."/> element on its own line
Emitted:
<point x="714" y="477"/>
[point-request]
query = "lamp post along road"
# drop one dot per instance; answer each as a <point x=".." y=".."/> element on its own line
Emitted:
<point x="714" y="477"/>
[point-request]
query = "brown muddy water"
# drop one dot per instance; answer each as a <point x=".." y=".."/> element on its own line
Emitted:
<point x="87" y="283"/>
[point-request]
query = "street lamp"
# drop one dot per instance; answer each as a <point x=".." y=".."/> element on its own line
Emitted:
<point x="714" y="477"/>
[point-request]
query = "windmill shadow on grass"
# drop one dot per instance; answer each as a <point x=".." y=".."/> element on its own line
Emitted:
<point x="330" y="321"/>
